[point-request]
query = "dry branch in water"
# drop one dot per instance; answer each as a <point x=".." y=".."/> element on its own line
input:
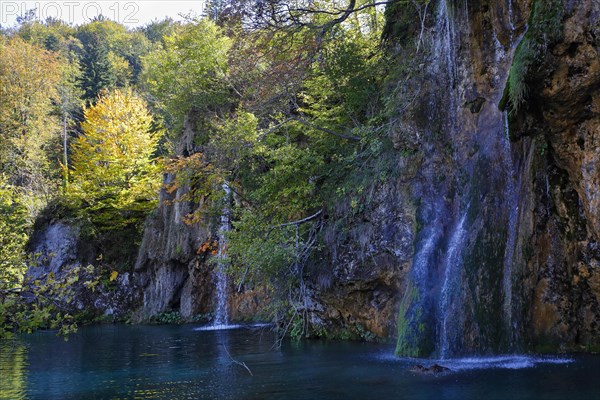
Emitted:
<point x="243" y="364"/>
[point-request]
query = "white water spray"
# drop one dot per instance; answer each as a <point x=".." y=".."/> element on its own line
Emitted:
<point x="452" y="273"/>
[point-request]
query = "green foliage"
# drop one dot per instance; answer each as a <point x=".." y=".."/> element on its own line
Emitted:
<point x="53" y="35"/>
<point x="167" y="318"/>
<point x="14" y="227"/>
<point x="110" y="56"/>
<point x="29" y="77"/>
<point x="188" y="70"/>
<point x="305" y="123"/>
<point x="545" y="29"/>
<point x="156" y="30"/>
<point x="42" y="304"/>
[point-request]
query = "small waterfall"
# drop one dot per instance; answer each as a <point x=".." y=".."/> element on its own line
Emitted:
<point x="221" y="312"/>
<point x="511" y="24"/>
<point x="512" y="199"/>
<point x="450" y="289"/>
<point x="445" y="55"/>
<point x="418" y="309"/>
<point x="415" y="307"/>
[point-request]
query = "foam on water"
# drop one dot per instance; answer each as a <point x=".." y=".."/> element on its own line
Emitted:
<point x="501" y="362"/>
<point x="225" y="327"/>
<point x="481" y="363"/>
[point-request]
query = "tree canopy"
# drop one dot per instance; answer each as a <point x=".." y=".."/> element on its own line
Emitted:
<point x="114" y="171"/>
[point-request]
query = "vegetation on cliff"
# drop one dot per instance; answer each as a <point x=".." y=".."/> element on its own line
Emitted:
<point x="286" y="108"/>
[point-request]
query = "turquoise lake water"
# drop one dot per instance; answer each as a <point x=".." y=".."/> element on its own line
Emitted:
<point x="179" y="362"/>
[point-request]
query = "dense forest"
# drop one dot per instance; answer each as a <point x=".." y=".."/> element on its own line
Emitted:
<point x="293" y="127"/>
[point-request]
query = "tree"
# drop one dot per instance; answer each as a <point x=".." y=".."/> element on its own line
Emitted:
<point x="188" y="71"/>
<point x="156" y="30"/>
<point x="29" y="130"/>
<point x="111" y="55"/>
<point x="53" y="35"/>
<point x="114" y="173"/>
<point x="14" y="225"/>
<point x="302" y="163"/>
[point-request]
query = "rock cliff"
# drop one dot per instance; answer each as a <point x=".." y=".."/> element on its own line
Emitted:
<point x="173" y="269"/>
<point x="480" y="243"/>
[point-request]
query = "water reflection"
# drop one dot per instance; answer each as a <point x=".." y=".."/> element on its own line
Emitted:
<point x="13" y="370"/>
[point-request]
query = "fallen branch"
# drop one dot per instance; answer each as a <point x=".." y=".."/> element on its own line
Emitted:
<point x="297" y="223"/>
<point x="243" y="364"/>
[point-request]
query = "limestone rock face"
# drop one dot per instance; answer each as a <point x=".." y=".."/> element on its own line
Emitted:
<point x="528" y="275"/>
<point x="58" y="248"/>
<point x="355" y="293"/>
<point x="171" y="275"/>
<point x="172" y="272"/>
<point x="558" y="131"/>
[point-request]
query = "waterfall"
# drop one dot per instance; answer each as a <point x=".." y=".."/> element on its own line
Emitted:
<point x="444" y="51"/>
<point x="451" y="287"/>
<point x="418" y="308"/>
<point x="511" y="24"/>
<point x="221" y="312"/>
<point x="461" y="295"/>
<point x="415" y="307"/>
<point x="512" y="199"/>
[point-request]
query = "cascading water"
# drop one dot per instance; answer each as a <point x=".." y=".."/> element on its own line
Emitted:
<point x="418" y="309"/>
<point x="445" y="55"/>
<point x="509" y="252"/>
<point x="451" y="287"/>
<point x="510" y="20"/>
<point x="460" y="295"/>
<point x="221" y="312"/>
<point x="415" y="307"/>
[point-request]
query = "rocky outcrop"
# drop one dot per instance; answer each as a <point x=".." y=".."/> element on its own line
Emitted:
<point x="558" y="132"/>
<point x="480" y="244"/>
<point x="355" y="293"/>
<point x="60" y="253"/>
<point x="174" y="270"/>
<point x="172" y="275"/>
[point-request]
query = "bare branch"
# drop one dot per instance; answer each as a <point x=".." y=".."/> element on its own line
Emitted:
<point x="300" y="221"/>
<point x="243" y="364"/>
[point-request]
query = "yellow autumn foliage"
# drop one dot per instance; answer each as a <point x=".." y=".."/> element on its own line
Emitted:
<point x="114" y="172"/>
<point x="29" y="128"/>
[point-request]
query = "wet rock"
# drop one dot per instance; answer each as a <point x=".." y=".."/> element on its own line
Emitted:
<point x="172" y="269"/>
<point x="558" y="133"/>
<point x="435" y="369"/>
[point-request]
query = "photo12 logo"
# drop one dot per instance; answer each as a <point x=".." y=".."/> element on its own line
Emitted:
<point x="80" y="12"/>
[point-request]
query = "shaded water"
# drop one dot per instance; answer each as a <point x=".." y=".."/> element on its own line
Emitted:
<point x="177" y="362"/>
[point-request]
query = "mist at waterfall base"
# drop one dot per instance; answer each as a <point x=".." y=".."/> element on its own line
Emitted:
<point x="176" y="362"/>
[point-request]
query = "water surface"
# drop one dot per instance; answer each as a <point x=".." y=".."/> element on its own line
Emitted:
<point x="179" y="362"/>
